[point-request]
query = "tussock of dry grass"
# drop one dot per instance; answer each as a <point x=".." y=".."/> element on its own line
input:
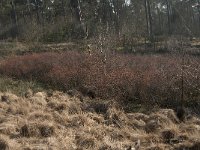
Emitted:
<point x="3" y="143"/>
<point x="62" y="121"/>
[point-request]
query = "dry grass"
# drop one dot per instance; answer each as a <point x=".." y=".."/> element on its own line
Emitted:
<point x="61" y="121"/>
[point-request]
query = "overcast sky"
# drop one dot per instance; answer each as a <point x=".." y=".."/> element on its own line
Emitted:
<point x="128" y="1"/>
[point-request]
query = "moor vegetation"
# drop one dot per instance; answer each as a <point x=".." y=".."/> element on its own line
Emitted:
<point x="157" y="80"/>
<point x="99" y="74"/>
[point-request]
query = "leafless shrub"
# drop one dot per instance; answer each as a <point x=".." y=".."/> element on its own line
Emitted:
<point x="128" y="78"/>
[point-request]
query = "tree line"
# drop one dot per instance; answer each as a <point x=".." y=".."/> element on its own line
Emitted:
<point x="58" y="20"/>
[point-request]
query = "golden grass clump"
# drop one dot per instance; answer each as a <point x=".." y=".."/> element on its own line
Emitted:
<point x="79" y="121"/>
<point x="73" y="108"/>
<point x="57" y="106"/>
<point x="168" y="135"/>
<point x="116" y="117"/>
<point x="19" y="108"/>
<point x="39" y="98"/>
<point x="5" y="98"/>
<point x="188" y="146"/>
<point x="85" y="142"/>
<point x="152" y="126"/>
<point x="8" y="128"/>
<point x="37" y="130"/>
<point x="98" y="118"/>
<point x="169" y="113"/>
<point x="160" y="118"/>
<point x="4" y="145"/>
<point x="29" y="93"/>
<point x="65" y="122"/>
<point x="40" y="116"/>
<point x="46" y="130"/>
<point x="158" y="147"/>
<point x="60" y="118"/>
<point x="28" y="131"/>
<point x="138" y="116"/>
<point x="8" y="97"/>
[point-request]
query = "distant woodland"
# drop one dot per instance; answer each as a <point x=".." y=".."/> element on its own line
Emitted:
<point x="65" y="20"/>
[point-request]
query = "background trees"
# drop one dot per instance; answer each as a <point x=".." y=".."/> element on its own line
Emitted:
<point x="61" y="20"/>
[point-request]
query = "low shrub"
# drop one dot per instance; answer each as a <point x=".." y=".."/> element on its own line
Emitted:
<point x="147" y="79"/>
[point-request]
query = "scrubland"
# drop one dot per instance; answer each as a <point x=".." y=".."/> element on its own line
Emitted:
<point x="157" y="80"/>
<point x="109" y="101"/>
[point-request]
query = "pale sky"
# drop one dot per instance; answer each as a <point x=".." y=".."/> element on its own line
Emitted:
<point x="128" y="1"/>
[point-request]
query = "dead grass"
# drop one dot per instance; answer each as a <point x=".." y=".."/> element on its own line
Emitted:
<point x="4" y="143"/>
<point x="27" y="124"/>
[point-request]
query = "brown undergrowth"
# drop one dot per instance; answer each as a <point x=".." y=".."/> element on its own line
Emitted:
<point x="146" y="79"/>
<point x="61" y="121"/>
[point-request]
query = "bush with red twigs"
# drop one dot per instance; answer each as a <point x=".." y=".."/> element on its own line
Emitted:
<point x="155" y="79"/>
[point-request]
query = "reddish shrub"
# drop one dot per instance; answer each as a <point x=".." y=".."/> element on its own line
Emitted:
<point x="126" y="77"/>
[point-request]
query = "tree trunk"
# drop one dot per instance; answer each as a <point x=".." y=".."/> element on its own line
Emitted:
<point x="146" y="13"/>
<point x="37" y="11"/>
<point x="169" y="16"/>
<point x="159" y="21"/>
<point x="149" y="20"/>
<point x="76" y="10"/>
<point x="29" y="9"/>
<point x="199" y="12"/>
<point x="14" y="30"/>
<point x="63" y="9"/>
<point x="117" y="19"/>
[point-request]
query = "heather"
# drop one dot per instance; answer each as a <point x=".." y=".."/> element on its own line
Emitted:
<point x="136" y="79"/>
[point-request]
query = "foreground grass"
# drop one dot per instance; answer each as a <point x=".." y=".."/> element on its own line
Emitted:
<point x="61" y="121"/>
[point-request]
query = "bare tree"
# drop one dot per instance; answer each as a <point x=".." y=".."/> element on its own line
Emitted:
<point x="148" y="19"/>
<point x="13" y="19"/>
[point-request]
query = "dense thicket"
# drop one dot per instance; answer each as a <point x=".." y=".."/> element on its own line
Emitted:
<point x="122" y="77"/>
<point x="59" y="20"/>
